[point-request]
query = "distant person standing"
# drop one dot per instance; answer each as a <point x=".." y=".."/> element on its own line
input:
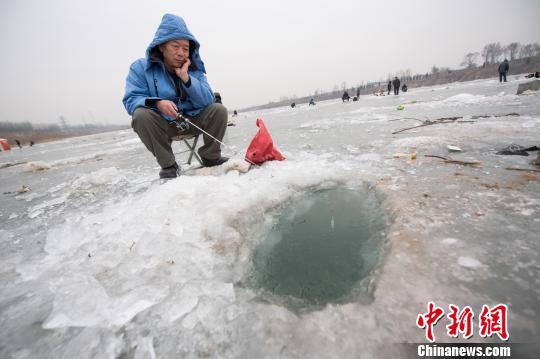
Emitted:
<point x="503" y="70"/>
<point x="396" y="84"/>
<point x="389" y="86"/>
<point x="18" y="143"/>
<point x="358" y="93"/>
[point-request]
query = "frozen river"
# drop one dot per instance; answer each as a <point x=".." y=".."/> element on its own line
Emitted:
<point x="102" y="260"/>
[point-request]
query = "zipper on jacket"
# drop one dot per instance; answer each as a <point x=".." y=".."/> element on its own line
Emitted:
<point x="155" y="87"/>
<point x="155" y="82"/>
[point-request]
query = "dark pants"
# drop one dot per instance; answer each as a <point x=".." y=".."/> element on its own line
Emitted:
<point x="156" y="132"/>
<point x="396" y="90"/>
<point x="502" y="75"/>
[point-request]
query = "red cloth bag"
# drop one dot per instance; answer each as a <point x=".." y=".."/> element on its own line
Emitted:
<point x="261" y="148"/>
<point x="5" y="144"/>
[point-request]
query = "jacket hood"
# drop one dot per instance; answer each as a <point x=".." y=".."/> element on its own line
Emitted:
<point x="173" y="27"/>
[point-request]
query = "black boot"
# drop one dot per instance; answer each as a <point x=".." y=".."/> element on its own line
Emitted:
<point x="170" y="172"/>
<point x="207" y="162"/>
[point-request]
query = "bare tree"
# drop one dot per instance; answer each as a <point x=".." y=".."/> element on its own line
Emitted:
<point x="491" y="52"/>
<point x="408" y="73"/>
<point x="526" y="51"/>
<point x="344" y="85"/>
<point x="62" y="120"/>
<point x="486" y="52"/>
<point x="469" y="61"/>
<point x="536" y="49"/>
<point x="434" y="70"/>
<point x="496" y="52"/>
<point x="512" y="50"/>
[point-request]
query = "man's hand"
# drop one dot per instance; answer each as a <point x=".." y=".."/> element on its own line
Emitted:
<point x="182" y="72"/>
<point x="167" y="108"/>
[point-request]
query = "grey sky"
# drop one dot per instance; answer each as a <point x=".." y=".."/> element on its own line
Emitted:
<point x="69" y="57"/>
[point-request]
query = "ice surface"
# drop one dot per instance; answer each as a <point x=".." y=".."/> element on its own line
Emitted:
<point x="469" y="262"/>
<point x="100" y="259"/>
<point x="37" y="166"/>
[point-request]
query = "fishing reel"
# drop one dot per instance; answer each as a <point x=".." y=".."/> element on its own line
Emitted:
<point x="181" y="124"/>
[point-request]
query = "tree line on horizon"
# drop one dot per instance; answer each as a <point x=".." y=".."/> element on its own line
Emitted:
<point x="25" y="127"/>
<point x="492" y="53"/>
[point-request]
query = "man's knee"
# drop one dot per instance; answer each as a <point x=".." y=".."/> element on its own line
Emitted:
<point x="142" y="113"/>
<point x="143" y="117"/>
<point x="220" y="109"/>
<point x="219" y="112"/>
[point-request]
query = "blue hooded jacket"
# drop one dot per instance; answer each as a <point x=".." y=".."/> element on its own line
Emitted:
<point x="149" y="81"/>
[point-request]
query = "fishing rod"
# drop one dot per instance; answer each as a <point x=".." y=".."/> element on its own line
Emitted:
<point x="182" y="124"/>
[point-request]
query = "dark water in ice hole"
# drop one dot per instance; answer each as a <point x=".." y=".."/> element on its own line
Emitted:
<point x="321" y="249"/>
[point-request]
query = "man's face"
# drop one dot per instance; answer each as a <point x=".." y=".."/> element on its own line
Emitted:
<point x="175" y="53"/>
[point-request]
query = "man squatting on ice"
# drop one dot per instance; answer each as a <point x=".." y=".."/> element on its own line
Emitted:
<point x="169" y="81"/>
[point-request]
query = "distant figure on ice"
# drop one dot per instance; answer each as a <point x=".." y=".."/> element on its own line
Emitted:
<point x="217" y="96"/>
<point x="389" y="86"/>
<point x="396" y="84"/>
<point x="355" y="98"/>
<point x="235" y="113"/>
<point x="18" y="143"/>
<point x="311" y="102"/>
<point x="357" y="93"/>
<point x="503" y="70"/>
<point x="31" y="143"/>
<point x="170" y="81"/>
<point x="404" y="88"/>
<point x="345" y="96"/>
<point x="293" y="105"/>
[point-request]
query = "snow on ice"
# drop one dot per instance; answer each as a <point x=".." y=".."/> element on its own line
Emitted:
<point x="101" y="259"/>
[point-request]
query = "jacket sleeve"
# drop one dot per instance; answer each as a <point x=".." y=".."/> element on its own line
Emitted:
<point x="199" y="91"/>
<point x="136" y="92"/>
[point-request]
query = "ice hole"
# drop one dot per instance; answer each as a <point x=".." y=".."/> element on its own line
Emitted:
<point x="321" y="249"/>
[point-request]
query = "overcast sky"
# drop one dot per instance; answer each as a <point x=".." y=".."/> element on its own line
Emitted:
<point x="70" y="57"/>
